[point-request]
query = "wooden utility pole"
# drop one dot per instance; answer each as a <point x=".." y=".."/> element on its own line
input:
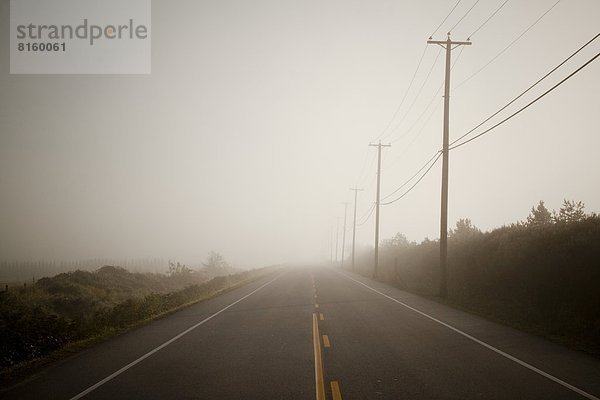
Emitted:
<point x="448" y="45"/>
<point x="379" y="146"/>
<point x="356" y="190"/>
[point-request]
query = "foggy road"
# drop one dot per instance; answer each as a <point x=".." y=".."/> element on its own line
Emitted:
<point x="308" y="333"/>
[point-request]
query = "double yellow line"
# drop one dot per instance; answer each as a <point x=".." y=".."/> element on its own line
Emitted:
<point x="319" y="380"/>
<point x="320" y="385"/>
<point x="318" y="362"/>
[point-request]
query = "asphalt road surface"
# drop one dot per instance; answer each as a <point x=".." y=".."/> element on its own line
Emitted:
<point x="318" y="333"/>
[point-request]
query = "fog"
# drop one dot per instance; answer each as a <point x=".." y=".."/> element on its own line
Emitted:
<point x="256" y="120"/>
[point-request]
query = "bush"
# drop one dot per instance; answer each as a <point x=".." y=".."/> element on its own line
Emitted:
<point x="543" y="277"/>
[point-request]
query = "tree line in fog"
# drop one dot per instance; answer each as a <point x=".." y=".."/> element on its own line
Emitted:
<point x="541" y="274"/>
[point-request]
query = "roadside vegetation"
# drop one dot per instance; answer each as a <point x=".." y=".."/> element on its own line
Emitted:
<point x="39" y="319"/>
<point x="541" y="275"/>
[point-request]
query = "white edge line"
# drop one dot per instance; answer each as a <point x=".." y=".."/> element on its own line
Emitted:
<point x="165" y="344"/>
<point x="484" y="344"/>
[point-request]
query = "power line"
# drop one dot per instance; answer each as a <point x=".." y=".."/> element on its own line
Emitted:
<point x="527" y="90"/>
<point x="372" y="181"/>
<point x="432" y="161"/>
<point x="369" y="183"/>
<point x="416" y="97"/>
<point x="507" y="47"/>
<point x="416" y="122"/>
<point x="463" y="17"/>
<point x="488" y="19"/>
<point x="444" y="20"/>
<point x="412" y="177"/>
<point x="362" y="174"/>
<point x="405" y="93"/>
<point x="362" y="177"/>
<point x="438" y="155"/>
<point x="419" y="117"/>
<point x="421" y="130"/>
<point x="430" y="102"/>
<point x="370" y="212"/>
<point x="415" y="74"/>
<point x="426" y="120"/>
<point x="529" y="104"/>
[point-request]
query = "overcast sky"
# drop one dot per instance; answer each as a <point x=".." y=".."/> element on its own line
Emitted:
<point x="256" y="120"/>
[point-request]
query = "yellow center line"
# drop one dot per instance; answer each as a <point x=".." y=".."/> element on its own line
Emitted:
<point x="321" y="317"/>
<point x="326" y="341"/>
<point x="335" y="390"/>
<point x="320" y="388"/>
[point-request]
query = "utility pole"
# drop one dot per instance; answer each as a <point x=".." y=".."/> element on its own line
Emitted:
<point x="356" y="190"/>
<point x="337" y="239"/>
<point x="448" y="45"/>
<point x="344" y="233"/>
<point x="379" y="146"/>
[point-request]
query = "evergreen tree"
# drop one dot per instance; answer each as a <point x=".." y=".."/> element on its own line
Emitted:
<point x="539" y="216"/>
<point x="570" y="211"/>
<point x="464" y="229"/>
